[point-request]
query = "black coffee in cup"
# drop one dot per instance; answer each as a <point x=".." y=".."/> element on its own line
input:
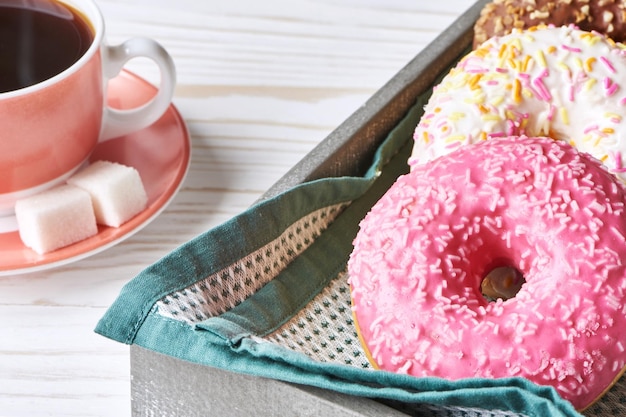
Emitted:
<point x="38" y="40"/>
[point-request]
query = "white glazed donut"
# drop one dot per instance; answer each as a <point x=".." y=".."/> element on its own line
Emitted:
<point x="560" y="82"/>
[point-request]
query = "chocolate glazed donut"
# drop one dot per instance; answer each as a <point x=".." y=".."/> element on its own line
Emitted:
<point x="501" y="16"/>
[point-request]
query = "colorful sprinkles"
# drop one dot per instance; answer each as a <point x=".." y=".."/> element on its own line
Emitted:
<point x="559" y="82"/>
<point x="553" y="213"/>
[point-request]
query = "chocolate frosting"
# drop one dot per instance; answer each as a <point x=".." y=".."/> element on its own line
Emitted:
<point x="501" y="16"/>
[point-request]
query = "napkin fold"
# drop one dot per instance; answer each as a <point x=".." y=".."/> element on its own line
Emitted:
<point x="267" y="294"/>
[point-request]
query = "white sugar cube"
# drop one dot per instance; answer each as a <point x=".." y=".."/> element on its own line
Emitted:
<point x="116" y="190"/>
<point x="55" y="218"/>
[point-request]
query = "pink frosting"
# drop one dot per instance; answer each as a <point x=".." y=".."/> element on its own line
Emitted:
<point x="531" y="203"/>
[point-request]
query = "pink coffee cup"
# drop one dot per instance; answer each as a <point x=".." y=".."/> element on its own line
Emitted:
<point x="48" y="130"/>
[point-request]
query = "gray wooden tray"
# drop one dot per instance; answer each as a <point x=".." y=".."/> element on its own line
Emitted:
<point x="166" y="386"/>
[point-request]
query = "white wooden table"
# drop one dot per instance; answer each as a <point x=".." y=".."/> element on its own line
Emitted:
<point x="259" y="85"/>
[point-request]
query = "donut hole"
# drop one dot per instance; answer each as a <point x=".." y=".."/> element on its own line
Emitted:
<point x="503" y="282"/>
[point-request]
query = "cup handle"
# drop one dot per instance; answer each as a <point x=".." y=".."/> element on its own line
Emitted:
<point x="120" y="122"/>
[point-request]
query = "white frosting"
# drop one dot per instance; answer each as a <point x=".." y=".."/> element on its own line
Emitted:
<point x="558" y="82"/>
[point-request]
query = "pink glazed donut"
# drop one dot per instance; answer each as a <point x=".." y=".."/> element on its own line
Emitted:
<point x="534" y="204"/>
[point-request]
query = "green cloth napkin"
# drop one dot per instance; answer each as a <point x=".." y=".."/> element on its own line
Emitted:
<point x="266" y="294"/>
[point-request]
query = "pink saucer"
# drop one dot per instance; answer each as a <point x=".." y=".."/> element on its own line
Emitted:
<point x="161" y="153"/>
